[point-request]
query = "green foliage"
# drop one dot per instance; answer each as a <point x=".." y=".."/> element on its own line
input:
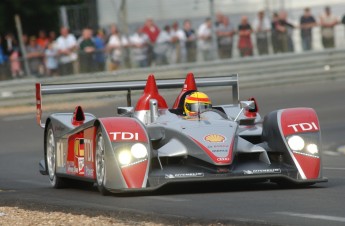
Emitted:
<point x="35" y="14"/>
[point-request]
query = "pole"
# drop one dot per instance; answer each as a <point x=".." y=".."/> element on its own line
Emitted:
<point x="21" y="43"/>
<point x="213" y="31"/>
<point x="123" y="17"/>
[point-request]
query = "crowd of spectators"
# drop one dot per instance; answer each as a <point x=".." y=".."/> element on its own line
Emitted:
<point x="52" y="55"/>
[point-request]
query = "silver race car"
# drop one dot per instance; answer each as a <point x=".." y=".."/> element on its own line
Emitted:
<point x="152" y="145"/>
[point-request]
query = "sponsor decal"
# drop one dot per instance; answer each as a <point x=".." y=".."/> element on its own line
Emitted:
<point x="70" y="167"/>
<point x="80" y="168"/>
<point x="124" y="136"/>
<point x="261" y="171"/>
<point x="59" y="128"/>
<point x="303" y="127"/>
<point x="89" y="172"/>
<point x="217" y="138"/>
<point x="183" y="175"/>
<point x="223" y="159"/>
<point x="134" y="163"/>
<point x="219" y="150"/>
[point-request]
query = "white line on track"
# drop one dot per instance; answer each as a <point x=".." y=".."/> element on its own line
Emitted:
<point x="313" y="216"/>
<point x="167" y="199"/>
<point x="18" y="118"/>
<point x="333" y="168"/>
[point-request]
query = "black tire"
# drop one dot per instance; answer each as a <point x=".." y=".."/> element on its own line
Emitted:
<point x="50" y="159"/>
<point x="100" y="163"/>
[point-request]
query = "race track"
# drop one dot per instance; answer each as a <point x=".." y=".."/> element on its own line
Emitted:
<point x="323" y="204"/>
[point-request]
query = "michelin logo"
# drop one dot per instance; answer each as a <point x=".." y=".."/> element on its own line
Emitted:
<point x="261" y="171"/>
<point x="183" y="175"/>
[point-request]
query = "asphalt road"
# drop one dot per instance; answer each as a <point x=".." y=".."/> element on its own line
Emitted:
<point x="323" y="204"/>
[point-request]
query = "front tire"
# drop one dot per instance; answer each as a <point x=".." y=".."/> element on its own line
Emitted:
<point x="50" y="158"/>
<point x="100" y="163"/>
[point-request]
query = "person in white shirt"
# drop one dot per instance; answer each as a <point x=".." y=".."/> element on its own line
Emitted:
<point x="66" y="45"/>
<point x="261" y="26"/>
<point x="162" y="48"/>
<point x="328" y="21"/>
<point x="115" y="46"/>
<point x="178" y="42"/>
<point x="139" y="47"/>
<point x="205" y="39"/>
<point x="225" y="32"/>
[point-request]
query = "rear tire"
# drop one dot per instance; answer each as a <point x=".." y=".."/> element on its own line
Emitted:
<point x="50" y="158"/>
<point x="100" y="163"/>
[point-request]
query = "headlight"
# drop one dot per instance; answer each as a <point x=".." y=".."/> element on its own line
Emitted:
<point x="312" y="149"/>
<point x="125" y="157"/>
<point x="296" y="143"/>
<point x="139" y="151"/>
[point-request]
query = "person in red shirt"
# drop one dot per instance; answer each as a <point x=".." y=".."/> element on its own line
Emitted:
<point x="42" y="39"/>
<point x="152" y="31"/>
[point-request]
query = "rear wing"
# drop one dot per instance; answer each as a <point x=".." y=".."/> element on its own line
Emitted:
<point x="45" y="89"/>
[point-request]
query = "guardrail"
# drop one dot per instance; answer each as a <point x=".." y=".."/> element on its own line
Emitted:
<point x="253" y="72"/>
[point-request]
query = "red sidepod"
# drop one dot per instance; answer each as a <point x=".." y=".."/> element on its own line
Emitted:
<point x="299" y="121"/>
<point x="130" y="131"/>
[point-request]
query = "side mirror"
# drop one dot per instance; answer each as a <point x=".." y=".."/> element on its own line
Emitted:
<point x="125" y="110"/>
<point x="247" y="105"/>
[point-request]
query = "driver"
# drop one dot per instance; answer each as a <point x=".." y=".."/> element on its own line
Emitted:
<point x="196" y="102"/>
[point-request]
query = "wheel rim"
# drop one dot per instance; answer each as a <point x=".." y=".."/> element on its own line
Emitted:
<point x="51" y="154"/>
<point x="100" y="159"/>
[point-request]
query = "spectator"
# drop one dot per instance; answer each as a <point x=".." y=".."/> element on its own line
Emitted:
<point x="139" y="42"/>
<point x="225" y="32"/>
<point x="115" y="44"/>
<point x="219" y="19"/>
<point x="51" y="59"/>
<point x="99" y="41"/>
<point x="178" y="44"/>
<point x="9" y="44"/>
<point x="152" y="31"/>
<point x="284" y="34"/>
<point x="307" y="22"/>
<point x="86" y="51"/>
<point x="163" y="46"/>
<point x="328" y="22"/>
<point x="34" y="53"/>
<point x="52" y="36"/>
<point x="42" y="39"/>
<point x="66" y="45"/>
<point x="274" y="32"/>
<point x="343" y="20"/>
<point x="205" y="39"/>
<point x="190" y="41"/>
<point x="11" y="51"/>
<point x="245" y="45"/>
<point x="261" y="27"/>
<point x="3" y="60"/>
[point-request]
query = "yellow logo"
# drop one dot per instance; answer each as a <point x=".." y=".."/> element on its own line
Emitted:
<point x="214" y="138"/>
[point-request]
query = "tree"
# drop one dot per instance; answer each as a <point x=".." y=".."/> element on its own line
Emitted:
<point x="35" y="14"/>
